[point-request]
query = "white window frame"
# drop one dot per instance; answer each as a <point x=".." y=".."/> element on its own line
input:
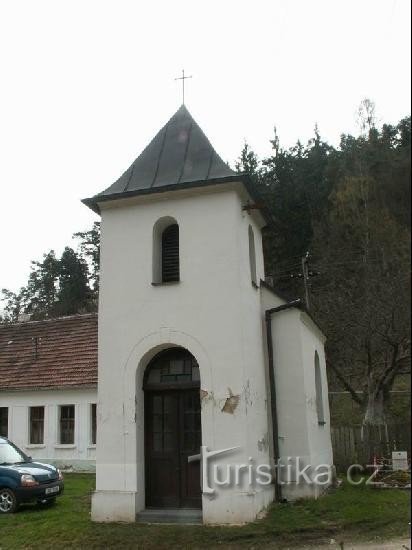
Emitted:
<point x="91" y="443"/>
<point x="35" y="445"/>
<point x="58" y="430"/>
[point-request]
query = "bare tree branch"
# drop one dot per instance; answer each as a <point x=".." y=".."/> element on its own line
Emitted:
<point x="346" y="385"/>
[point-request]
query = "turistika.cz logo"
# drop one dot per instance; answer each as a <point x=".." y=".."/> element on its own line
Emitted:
<point x="286" y="471"/>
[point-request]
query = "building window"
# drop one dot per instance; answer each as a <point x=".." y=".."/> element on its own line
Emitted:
<point x="4" y="421"/>
<point x="318" y="389"/>
<point x="67" y="416"/>
<point x="252" y="256"/>
<point x="166" y="268"/>
<point x="93" y="423"/>
<point x="36" y="423"/>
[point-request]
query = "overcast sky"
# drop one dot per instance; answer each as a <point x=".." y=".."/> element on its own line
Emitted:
<point x="86" y="84"/>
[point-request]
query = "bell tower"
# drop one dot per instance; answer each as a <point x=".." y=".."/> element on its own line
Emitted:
<point x="181" y="263"/>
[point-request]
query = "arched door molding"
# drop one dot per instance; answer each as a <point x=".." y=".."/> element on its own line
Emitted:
<point x="133" y="371"/>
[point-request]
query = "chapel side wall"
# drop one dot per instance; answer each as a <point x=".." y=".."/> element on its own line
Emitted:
<point x="290" y="388"/>
<point x="295" y="339"/>
<point x="81" y="455"/>
<point x="319" y="434"/>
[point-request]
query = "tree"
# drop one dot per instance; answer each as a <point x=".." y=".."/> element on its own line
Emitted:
<point x="74" y="293"/>
<point x="248" y="162"/>
<point x="366" y="115"/>
<point x="363" y="297"/>
<point x="59" y="286"/>
<point x="350" y="207"/>
<point x="90" y="252"/>
<point x="295" y="184"/>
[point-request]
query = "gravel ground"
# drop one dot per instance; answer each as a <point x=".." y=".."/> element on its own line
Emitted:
<point x="399" y="544"/>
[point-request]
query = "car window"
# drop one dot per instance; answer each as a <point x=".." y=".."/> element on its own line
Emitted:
<point x="9" y="454"/>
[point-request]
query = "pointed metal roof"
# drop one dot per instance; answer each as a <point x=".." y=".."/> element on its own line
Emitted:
<point x="179" y="156"/>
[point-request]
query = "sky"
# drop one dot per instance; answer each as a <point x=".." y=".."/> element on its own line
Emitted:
<point x="85" y="85"/>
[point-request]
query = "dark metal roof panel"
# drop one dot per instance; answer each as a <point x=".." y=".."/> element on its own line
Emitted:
<point x="179" y="153"/>
<point x="141" y="174"/>
<point x="173" y="154"/>
<point x="197" y="151"/>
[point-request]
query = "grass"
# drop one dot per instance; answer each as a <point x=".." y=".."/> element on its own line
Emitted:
<point x="349" y="513"/>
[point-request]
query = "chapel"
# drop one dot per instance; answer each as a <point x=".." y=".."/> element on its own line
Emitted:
<point x="206" y="376"/>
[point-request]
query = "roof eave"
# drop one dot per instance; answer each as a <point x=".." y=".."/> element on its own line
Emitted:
<point x="301" y="306"/>
<point x="59" y="387"/>
<point x="94" y="202"/>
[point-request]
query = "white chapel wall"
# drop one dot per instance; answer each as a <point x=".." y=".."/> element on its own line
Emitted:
<point x="214" y="312"/>
<point x="319" y="432"/>
<point x="295" y="340"/>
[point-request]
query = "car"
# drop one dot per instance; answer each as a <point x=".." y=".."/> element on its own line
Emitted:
<point x="22" y="480"/>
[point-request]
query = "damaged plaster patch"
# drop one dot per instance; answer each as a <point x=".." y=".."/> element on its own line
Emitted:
<point x="231" y="403"/>
<point x="206" y="397"/>
<point x="203" y="394"/>
<point x="310" y="400"/>
<point x="247" y="394"/>
<point x="263" y="444"/>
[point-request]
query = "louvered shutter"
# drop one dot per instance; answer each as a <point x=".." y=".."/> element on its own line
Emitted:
<point x="170" y="254"/>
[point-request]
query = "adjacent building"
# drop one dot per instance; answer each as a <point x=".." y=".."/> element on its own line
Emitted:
<point x="48" y="389"/>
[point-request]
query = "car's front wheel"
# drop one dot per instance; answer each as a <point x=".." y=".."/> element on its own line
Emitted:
<point x="8" y="501"/>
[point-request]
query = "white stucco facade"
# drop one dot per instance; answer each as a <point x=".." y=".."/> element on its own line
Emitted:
<point x="80" y="455"/>
<point x="217" y="314"/>
<point x="296" y="338"/>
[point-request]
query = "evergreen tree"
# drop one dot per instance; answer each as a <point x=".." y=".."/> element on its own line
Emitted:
<point x="74" y="293"/>
<point x="90" y="252"/>
<point x="59" y="286"/>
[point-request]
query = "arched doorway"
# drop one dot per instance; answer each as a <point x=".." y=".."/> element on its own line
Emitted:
<point x="172" y="430"/>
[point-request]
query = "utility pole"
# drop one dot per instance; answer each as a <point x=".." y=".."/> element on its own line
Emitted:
<point x="305" y="275"/>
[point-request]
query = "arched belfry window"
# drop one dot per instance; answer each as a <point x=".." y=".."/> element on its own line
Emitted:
<point x="319" y="393"/>
<point x="173" y="368"/>
<point x="252" y="256"/>
<point x="166" y="264"/>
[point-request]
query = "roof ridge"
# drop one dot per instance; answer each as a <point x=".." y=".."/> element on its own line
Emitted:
<point x="212" y="156"/>
<point x="130" y="177"/>
<point x="50" y="319"/>
<point x="160" y="154"/>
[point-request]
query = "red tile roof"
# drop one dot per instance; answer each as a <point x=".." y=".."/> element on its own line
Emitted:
<point x="66" y="353"/>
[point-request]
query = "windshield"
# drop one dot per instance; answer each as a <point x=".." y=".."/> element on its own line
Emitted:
<point x="9" y="454"/>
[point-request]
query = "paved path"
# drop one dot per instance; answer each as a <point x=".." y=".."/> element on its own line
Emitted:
<point x="399" y="544"/>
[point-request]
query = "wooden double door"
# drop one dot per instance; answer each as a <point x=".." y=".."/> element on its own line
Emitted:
<point x="173" y="433"/>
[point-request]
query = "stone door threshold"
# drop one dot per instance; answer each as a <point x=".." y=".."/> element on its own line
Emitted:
<point x="170" y="515"/>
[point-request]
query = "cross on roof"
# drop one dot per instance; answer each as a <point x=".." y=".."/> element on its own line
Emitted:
<point x="183" y="78"/>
